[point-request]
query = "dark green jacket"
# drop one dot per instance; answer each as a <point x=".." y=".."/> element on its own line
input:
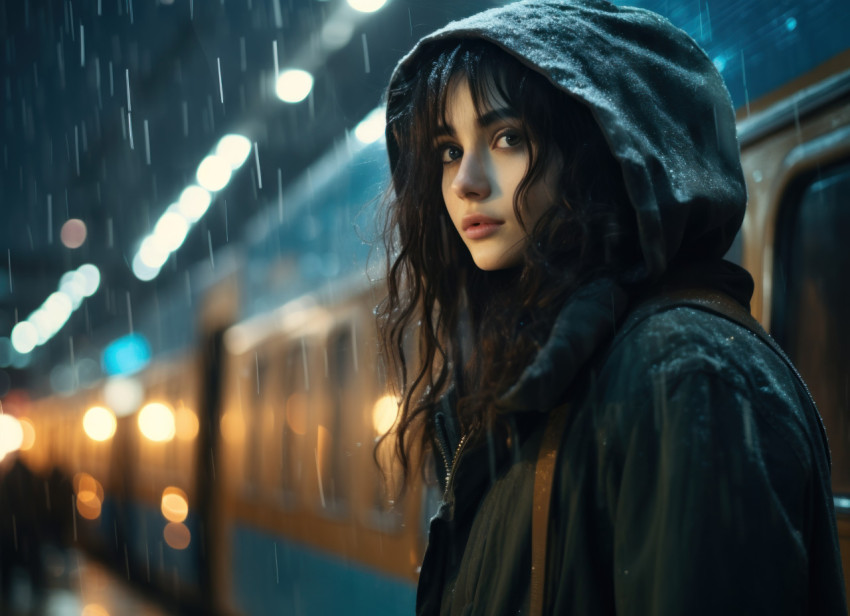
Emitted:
<point x="694" y="476"/>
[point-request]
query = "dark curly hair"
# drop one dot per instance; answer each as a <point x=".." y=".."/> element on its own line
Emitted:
<point x="474" y="328"/>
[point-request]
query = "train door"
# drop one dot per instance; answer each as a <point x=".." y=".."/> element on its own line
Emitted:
<point x="796" y="158"/>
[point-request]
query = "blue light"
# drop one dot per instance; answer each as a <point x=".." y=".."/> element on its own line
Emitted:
<point x="791" y="24"/>
<point x="126" y="355"/>
<point x="720" y="63"/>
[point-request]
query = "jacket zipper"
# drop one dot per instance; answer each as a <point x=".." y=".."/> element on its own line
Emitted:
<point x="451" y="472"/>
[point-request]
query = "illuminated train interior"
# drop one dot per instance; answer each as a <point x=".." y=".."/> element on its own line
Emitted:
<point x="188" y="352"/>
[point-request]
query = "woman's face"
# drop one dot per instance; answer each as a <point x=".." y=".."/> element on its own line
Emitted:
<point x="484" y="160"/>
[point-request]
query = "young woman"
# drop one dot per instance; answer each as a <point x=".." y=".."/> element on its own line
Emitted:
<point x="566" y="182"/>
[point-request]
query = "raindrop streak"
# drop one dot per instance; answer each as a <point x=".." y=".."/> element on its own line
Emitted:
<point x="9" y="260"/>
<point x="185" y="119"/>
<point x="365" y="52"/>
<point x="77" y="148"/>
<point x="209" y="242"/>
<point x="130" y="129"/>
<point x="276" y="573"/>
<point x="129" y="102"/>
<point x="191" y="9"/>
<point x="73" y="362"/>
<point x="243" y="60"/>
<point x="99" y="7"/>
<point x="147" y="145"/>
<point x="746" y="90"/>
<point x="319" y="475"/>
<point x="130" y="2"/>
<point x="129" y="312"/>
<point x="82" y="46"/>
<point x="279" y="195"/>
<point x="111" y="81"/>
<point x="276" y="64"/>
<point x="304" y="364"/>
<point x="708" y="22"/>
<point x="257" y="160"/>
<point x="278" y="17"/>
<point x="49" y="219"/>
<point x="220" y="86"/>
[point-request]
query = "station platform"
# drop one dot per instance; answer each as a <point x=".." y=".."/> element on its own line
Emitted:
<point x="76" y="585"/>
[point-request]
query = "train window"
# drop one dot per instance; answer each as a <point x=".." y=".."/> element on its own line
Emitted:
<point x="811" y="299"/>
<point x="293" y="421"/>
<point x="250" y="398"/>
<point x="333" y="440"/>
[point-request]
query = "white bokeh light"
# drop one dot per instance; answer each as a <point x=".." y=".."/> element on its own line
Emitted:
<point x="234" y="149"/>
<point x="214" y="173"/>
<point x="92" y="278"/>
<point x="366" y="6"/>
<point x="193" y="203"/>
<point x="123" y="394"/>
<point x="24" y="337"/>
<point x="156" y="422"/>
<point x="11" y="434"/>
<point x="152" y="253"/>
<point x="59" y="307"/>
<point x="170" y="231"/>
<point x="293" y="85"/>
<point x="142" y="271"/>
<point x="371" y="128"/>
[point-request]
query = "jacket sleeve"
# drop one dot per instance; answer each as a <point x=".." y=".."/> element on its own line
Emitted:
<point x="712" y="508"/>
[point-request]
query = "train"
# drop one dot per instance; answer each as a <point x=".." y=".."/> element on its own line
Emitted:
<point x="242" y="479"/>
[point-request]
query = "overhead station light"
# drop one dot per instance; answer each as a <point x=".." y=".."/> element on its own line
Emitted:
<point x="371" y="128"/>
<point x="366" y="6"/>
<point x="170" y="231"/>
<point x="46" y="320"/>
<point x="293" y="85"/>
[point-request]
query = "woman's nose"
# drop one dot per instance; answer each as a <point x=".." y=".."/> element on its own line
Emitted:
<point x="472" y="180"/>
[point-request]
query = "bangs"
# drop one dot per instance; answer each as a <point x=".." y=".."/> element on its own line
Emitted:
<point x="487" y="75"/>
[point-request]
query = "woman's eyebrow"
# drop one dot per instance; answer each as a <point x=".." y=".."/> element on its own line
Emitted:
<point x="484" y="120"/>
<point x="495" y="115"/>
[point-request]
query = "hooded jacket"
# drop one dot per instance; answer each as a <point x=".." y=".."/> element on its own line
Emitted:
<point x="693" y="477"/>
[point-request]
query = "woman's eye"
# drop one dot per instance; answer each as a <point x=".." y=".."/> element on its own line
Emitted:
<point x="451" y="153"/>
<point x="509" y="140"/>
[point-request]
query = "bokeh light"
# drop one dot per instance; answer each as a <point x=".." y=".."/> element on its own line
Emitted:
<point x="11" y="434"/>
<point x="175" y="504"/>
<point x="233" y="427"/>
<point x="156" y="422"/>
<point x="94" y="609"/>
<point x="214" y="173"/>
<point x="29" y="434"/>
<point x="371" y="128"/>
<point x="193" y="203"/>
<point x="99" y="423"/>
<point x="124" y="395"/>
<point x="73" y="233"/>
<point x="92" y="278"/>
<point x="177" y="535"/>
<point x="24" y="337"/>
<point x="186" y="424"/>
<point x="89" y="493"/>
<point x="366" y="6"/>
<point x="142" y="271"/>
<point x="152" y="253"/>
<point x="293" y="85"/>
<point x="384" y="413"/>
<point x="234" y="149"/>
<point x="170" y="231"/>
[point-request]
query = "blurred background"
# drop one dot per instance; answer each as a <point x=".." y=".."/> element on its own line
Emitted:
<point x="189" y="264"/>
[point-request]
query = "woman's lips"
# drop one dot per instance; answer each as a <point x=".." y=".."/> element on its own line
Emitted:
<point x="482" y="230"/>
<point x="477" y="226"/>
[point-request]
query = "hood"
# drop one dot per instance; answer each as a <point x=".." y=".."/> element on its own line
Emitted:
<point x="658" y="99"/>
